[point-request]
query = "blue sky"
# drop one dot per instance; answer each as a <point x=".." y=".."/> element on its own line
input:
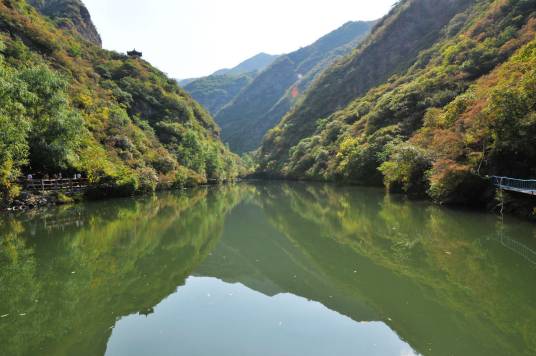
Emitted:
<point x="191" y="38"/>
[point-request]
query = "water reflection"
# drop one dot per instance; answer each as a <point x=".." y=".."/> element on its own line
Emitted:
<point x="210" y="317"/>
<point x="63" y="289"/>
<point x="434" y="275"/>
<point x="445" y="282"/>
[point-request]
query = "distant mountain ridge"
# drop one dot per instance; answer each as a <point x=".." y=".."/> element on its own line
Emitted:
<point x="261" y="104"/>
<point x="220" y="88"/>
<point x="70" y="14"/>
<point x="257" y="63"/>
<point x="216" y="91"/>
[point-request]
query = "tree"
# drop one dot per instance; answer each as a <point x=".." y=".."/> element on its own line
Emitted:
<point x="14" y="128"/>
<point x="56" y="129"/>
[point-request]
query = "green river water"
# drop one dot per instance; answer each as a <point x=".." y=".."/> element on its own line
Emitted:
<point x="270" y="269"/>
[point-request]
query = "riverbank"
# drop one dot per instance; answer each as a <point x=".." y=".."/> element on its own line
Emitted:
<point x="31" y="200"/>
<point x="500" y="202"/>
<point x="491" y="199"/>
<point x="36" y="199"/>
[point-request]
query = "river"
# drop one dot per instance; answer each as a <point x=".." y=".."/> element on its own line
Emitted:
<point x="269" y="269"/>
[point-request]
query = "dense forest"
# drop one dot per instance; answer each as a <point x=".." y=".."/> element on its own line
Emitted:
<point x="441" y="94"/>
<point x="67" y="106"/>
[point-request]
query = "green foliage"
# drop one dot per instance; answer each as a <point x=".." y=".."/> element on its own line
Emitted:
<point x="359" y="157"/>
<point x="64" y="199"/>
<point x="71" y="15"/>
<point x="37" y="127"/>
<point x="193" y="221"/>
<point x="430" y="115"/>
<point x="190" y="151"/>
<point x="68" y="106"/>
<point x="148" y="179"/>
<point x="512" y="108"/>
<point x="56" y="129"/>
<point x="472" y="57"/>
<point x="406" y="169"/>
<point x="216" y="91"/>
<point x="14" y="129"/>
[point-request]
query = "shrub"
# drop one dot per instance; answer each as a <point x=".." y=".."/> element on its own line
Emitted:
<point x="148" y="179"/>
<point x="214" y="164"/>
<point x="64" y="199"/>
<point x="454" y="183"/>
<point x="406" y="169"/>
<point x="125" y="184"/>
<point x="359" y="158"/>
<point x="164" y="164"/>
<point x="187" y="178"/>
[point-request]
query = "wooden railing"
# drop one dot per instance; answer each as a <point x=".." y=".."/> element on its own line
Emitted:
<point x="55" y="185"/>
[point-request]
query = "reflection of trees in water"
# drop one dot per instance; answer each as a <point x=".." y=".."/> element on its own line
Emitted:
<point x="427" y="272"/>
<point x="482" y="292"/>
<point x="74" y="282"/>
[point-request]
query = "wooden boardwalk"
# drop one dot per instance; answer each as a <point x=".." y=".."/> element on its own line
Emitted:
<point x="55" y="185"/>
<point x="515" y="185"/>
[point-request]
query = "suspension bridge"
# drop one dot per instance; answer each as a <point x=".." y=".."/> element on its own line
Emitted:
<point x="515" y="185"/>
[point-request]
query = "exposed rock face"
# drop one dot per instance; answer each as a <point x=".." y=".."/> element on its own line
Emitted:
<point x="70" y="14"/>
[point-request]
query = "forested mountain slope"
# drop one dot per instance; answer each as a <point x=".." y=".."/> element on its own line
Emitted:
<point x="220" y="88"/>
<point x="216" y="91"/>
<point x="442" y="93"/>
<point x="261" y="105"/>
<point x="69" y="106"/>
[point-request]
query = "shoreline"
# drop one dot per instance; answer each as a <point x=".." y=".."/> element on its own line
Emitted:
<point x="32" y="201"/>
<point x="514" y="204"/>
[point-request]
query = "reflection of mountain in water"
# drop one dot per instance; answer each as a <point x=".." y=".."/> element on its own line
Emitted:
<point x="430" y="274"/>
<point x="427" y="272"/>
<point x="72" y="286"/>
<point x="255" y="254"/>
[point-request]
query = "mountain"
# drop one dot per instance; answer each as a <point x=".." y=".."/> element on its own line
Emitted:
<point x="216" y="91"/>
<point x="261" y="105"/>
<point x="70" y="14"/>
<point x="256" y="63"/>
<point x="220" y="88"/>
<point x="438" y="96"/>
<point x="67" y="105"/>
<point x="251" y="65"/>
